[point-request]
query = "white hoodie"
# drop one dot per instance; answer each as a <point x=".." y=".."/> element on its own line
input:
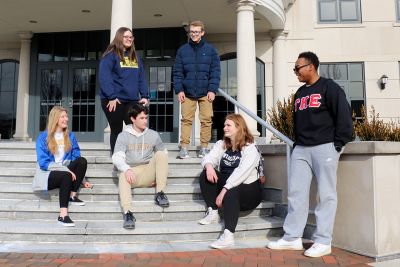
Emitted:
<point x="135" y="148"/>
<point x="245" y="173"/>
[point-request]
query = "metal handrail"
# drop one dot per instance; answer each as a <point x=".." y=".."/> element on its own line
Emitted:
<point x="281" y="136"/>
<point x="277" y="133"/>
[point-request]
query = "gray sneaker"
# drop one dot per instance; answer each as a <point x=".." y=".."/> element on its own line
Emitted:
<point x="129" y="220"/>
<point x="203" y="152"/>
<point x="183" y="153"/>
<point x="161" y="199"/>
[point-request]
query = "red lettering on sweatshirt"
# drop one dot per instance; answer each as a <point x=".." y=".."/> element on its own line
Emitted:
<point x="310" y="101"/>
<point x="303" y="103"/>
<point x="314" y="101"/>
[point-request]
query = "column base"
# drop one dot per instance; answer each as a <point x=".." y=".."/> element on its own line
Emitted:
<point x="21" y="137"/>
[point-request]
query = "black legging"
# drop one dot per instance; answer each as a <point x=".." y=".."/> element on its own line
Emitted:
<point x="116" y="118"/>
<point x="240" y="198"/>
<point x="63" y="180"/>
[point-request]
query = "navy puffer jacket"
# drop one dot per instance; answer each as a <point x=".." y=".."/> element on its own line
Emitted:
<point x="197" y="69"/>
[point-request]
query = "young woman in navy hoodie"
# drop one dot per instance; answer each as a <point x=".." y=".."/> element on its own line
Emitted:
<point x="122" y="81"/>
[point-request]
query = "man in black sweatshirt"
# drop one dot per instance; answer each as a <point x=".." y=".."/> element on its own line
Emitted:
<point x="322" y="125"/>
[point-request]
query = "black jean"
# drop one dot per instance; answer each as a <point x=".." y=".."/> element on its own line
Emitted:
<point x="240" y="198"/>
<point x="63" y="180"/>
<point x="116" y="118"/>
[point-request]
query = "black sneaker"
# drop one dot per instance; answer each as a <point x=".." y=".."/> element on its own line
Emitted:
<point x="129" y="220"/>
<point x="76" y="201"/>
<point x="161" y="199"/>
<point x="66" y="221"/>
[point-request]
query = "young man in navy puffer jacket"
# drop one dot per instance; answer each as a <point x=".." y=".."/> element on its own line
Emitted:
<point x="196" y="77"/>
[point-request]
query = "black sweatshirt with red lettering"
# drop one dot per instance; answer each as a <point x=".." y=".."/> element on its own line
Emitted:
<point x="322" y="114"/>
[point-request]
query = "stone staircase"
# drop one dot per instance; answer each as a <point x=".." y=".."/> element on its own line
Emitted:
<point x="26" y="217"/>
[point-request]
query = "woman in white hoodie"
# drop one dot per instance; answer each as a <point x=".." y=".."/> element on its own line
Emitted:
<point x="230" y="178"/>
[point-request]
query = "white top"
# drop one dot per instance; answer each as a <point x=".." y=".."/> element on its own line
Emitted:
<point x="59" y="137"/>
<point x="245" y="173"/>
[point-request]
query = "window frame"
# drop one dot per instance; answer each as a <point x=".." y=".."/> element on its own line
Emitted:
<point x="10" y="130"/>
<point x="339" y="13"/>
<point x="398" y="10"/>
<point x="349" y="81"/>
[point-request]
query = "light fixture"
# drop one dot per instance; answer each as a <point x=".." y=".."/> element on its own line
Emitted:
<point x="85" y="11"/>
<point x="157" y="15"/>
<point x="383" y="81"/>
<point x="33" y="21"/>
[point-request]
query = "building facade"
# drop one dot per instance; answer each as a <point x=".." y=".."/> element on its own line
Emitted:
<point x="50" y="55"/>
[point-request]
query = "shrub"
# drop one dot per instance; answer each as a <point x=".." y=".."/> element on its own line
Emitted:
<point x="366" y="129"/>
<point x="281" y="116"/>
<point x="374" y="129"/>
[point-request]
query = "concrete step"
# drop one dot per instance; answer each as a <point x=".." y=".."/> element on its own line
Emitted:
<point x="100" y="180"/>
<point x="99" y="231"/>
<point x="91" y="159"/>
<point x="28" y="217"/>
<point x="99" y="172"/>
<point x="104" y="189"/>
<point x="111" y="211"/>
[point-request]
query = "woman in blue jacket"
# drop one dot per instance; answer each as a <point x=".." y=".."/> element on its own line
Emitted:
<point x="60" y="164"/>
<point x="122" y="81"/>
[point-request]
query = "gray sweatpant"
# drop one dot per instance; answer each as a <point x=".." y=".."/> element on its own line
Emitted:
<point x="322" y="162"/>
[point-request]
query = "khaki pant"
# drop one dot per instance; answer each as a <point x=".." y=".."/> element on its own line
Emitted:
<point x="156" y="171"/>
<point x="205" y="115"/>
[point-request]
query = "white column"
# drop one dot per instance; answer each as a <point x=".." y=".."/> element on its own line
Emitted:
<point x="246" y="61"/>
<point x="21" y="129"/>
<point x="279" y="62"/>
<point x="121" y="15"/>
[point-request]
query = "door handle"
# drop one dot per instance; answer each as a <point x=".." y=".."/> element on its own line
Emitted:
<point x="70" y="102"/>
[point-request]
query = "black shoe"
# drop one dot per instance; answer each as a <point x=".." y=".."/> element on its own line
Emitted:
<point x="129" y="220"/>
<point x="76" y="201"/>
<point x="161" y="199"/>
<point x="65" y="221"/>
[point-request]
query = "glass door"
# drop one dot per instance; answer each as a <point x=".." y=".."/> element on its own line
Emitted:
<point x="73" y="86"/>
<point x="83" y="103"/>
<point x="51" y="87"/>
<point x="164" y="108"/>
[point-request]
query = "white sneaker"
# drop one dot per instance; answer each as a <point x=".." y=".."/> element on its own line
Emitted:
<point x="318" y="250"/>
<point x="283" y="244"/>
<point x="225" y="240"/>
<point x="211" y="216"/>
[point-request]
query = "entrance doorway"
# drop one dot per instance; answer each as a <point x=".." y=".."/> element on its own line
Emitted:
<point x="73" y="86"/>
<point x="164" y="107"/>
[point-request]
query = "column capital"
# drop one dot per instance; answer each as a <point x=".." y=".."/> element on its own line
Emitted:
<point x="25" y="36"/>
<point x="278" y="34"/>
<point x="248" y="5"/>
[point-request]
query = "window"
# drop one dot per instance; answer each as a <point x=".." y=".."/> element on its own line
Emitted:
<point x="339" y="11"/>
<point x="70" y="46"/>
<point x="350" y="76"/>
<point x="8" y="97"/>
<point x="398" y="10"/>
<point x="229" y="84"/>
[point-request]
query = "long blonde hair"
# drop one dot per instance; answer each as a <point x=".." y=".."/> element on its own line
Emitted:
<point x="243" y="135"/>
<point x="54" y="116"/>
<point x="117" y="45"/>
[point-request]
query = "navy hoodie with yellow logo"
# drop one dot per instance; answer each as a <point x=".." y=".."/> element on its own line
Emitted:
<point x="123" y="80"/>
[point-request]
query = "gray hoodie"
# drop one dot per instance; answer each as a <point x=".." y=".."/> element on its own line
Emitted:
<point x="135" y="148"/>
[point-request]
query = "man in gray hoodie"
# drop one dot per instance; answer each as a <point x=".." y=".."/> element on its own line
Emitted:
<point x="142" y="161"/>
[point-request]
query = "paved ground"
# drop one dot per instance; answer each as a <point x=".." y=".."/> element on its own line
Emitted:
<point x="230" y="257"/>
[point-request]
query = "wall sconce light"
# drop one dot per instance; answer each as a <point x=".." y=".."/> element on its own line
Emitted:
<point x="383" y="81"/>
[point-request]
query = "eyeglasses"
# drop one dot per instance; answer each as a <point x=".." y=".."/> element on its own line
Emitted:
<point x="195" y="32"/>
<point x="297" y="68"/>
<point x="128" y="37"/>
